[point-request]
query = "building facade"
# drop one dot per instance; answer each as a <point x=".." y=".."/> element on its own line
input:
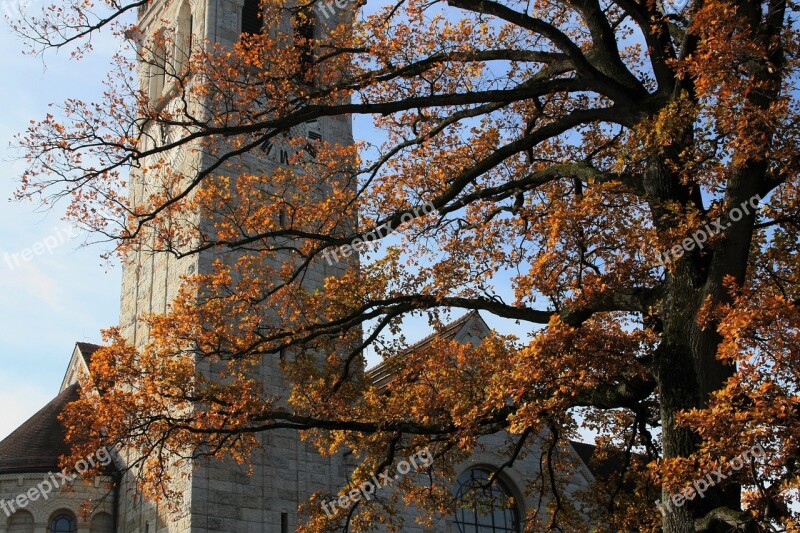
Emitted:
<point x="217" y="496"/>
<point x="222" y="497"/>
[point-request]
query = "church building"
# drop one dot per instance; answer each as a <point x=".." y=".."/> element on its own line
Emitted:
<point x="36" y="496"/>
<point x="266" y="502"/>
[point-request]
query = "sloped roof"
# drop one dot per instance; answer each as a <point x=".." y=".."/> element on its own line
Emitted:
<point x="600" y="469"/>
<point x="87" y="349"/>
<point x="38" y="443"/>
<point x="381" y="374"/>
<point x="79" y="363"/>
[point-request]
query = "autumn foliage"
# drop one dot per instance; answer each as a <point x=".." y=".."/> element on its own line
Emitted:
<point x="565" y="146"/>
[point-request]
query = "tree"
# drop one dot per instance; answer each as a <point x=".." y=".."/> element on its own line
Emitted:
<point x="630" y="166"/>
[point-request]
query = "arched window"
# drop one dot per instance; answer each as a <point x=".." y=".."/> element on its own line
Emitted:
<point x="102" y="523"/>
<point x="484" y="508"/>
<point x="183" y="37"/>
<point x="252" y="19"/>
<point x="305" y="28"/>
<point x="157" y="67"/>
<point x="63" y="522"/>
<point x="20" y="522"/>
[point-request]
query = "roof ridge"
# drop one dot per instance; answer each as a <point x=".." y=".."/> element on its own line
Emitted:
<point x="382" y="369"/>
<point x="90" y="346"/>
<point x="457" y="322"/>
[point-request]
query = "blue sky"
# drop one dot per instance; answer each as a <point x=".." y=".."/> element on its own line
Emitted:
<point x="54" y="290"/>
<point x="50" y="300"/>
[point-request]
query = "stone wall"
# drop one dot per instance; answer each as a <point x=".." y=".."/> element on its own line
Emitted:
<point x="38" y="511"/>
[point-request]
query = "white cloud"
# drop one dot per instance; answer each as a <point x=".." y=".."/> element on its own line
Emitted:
<point x="19" y="404"/>
<point x="28" y="279"/>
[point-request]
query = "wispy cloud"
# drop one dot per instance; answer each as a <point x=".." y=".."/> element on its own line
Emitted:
<point x="20" y="403"/>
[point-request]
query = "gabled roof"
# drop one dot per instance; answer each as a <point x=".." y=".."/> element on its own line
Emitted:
<point x="602" y="469"/>
<point x="79" y="363"/>
<point x="381" y="374"/>
<point x="87" y="349"/>
<point x="38" y="443"/>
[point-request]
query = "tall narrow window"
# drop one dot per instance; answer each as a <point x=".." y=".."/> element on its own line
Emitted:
<point x="183" y="37"/>
<point x="252" y="18"/>
<point x="284" y="522"/>
<point x="304" y="32"/>
<point x="157" y="69"/>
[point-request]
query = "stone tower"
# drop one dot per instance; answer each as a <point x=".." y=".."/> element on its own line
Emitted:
<point x="217" y="496"/>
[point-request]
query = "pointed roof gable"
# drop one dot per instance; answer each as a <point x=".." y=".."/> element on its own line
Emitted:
<point x="38" y="443"/>
<point x="87" y="349"/>
<point x="603" y="469"/>
<point x="465" y="329"/>
<point x="79" y="364"/>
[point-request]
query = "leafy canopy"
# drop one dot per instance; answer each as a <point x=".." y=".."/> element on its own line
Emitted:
<point x="566" y="146"/>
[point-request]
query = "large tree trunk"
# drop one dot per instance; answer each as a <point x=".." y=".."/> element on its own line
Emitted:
<point x="685" y="365"/>
<point x="679" y="388"/>
<point x="687" y="370"/>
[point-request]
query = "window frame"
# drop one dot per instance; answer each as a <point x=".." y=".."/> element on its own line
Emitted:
<point x="250" y="12"/>
<point x="59" y="515"/>
<point x="468" y="519"/>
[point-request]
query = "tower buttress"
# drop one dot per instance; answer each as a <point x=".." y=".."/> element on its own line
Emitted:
<point x="217" y="496"/>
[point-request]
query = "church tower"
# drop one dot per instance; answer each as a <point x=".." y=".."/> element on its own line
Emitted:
<point x="217" y="496"/>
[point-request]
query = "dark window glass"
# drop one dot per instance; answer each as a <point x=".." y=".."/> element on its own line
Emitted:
<point x="63" y="523"/>
<point x="304" y="30"/>
<point x="484" y="508"/>
<point x="252" y="21"/>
